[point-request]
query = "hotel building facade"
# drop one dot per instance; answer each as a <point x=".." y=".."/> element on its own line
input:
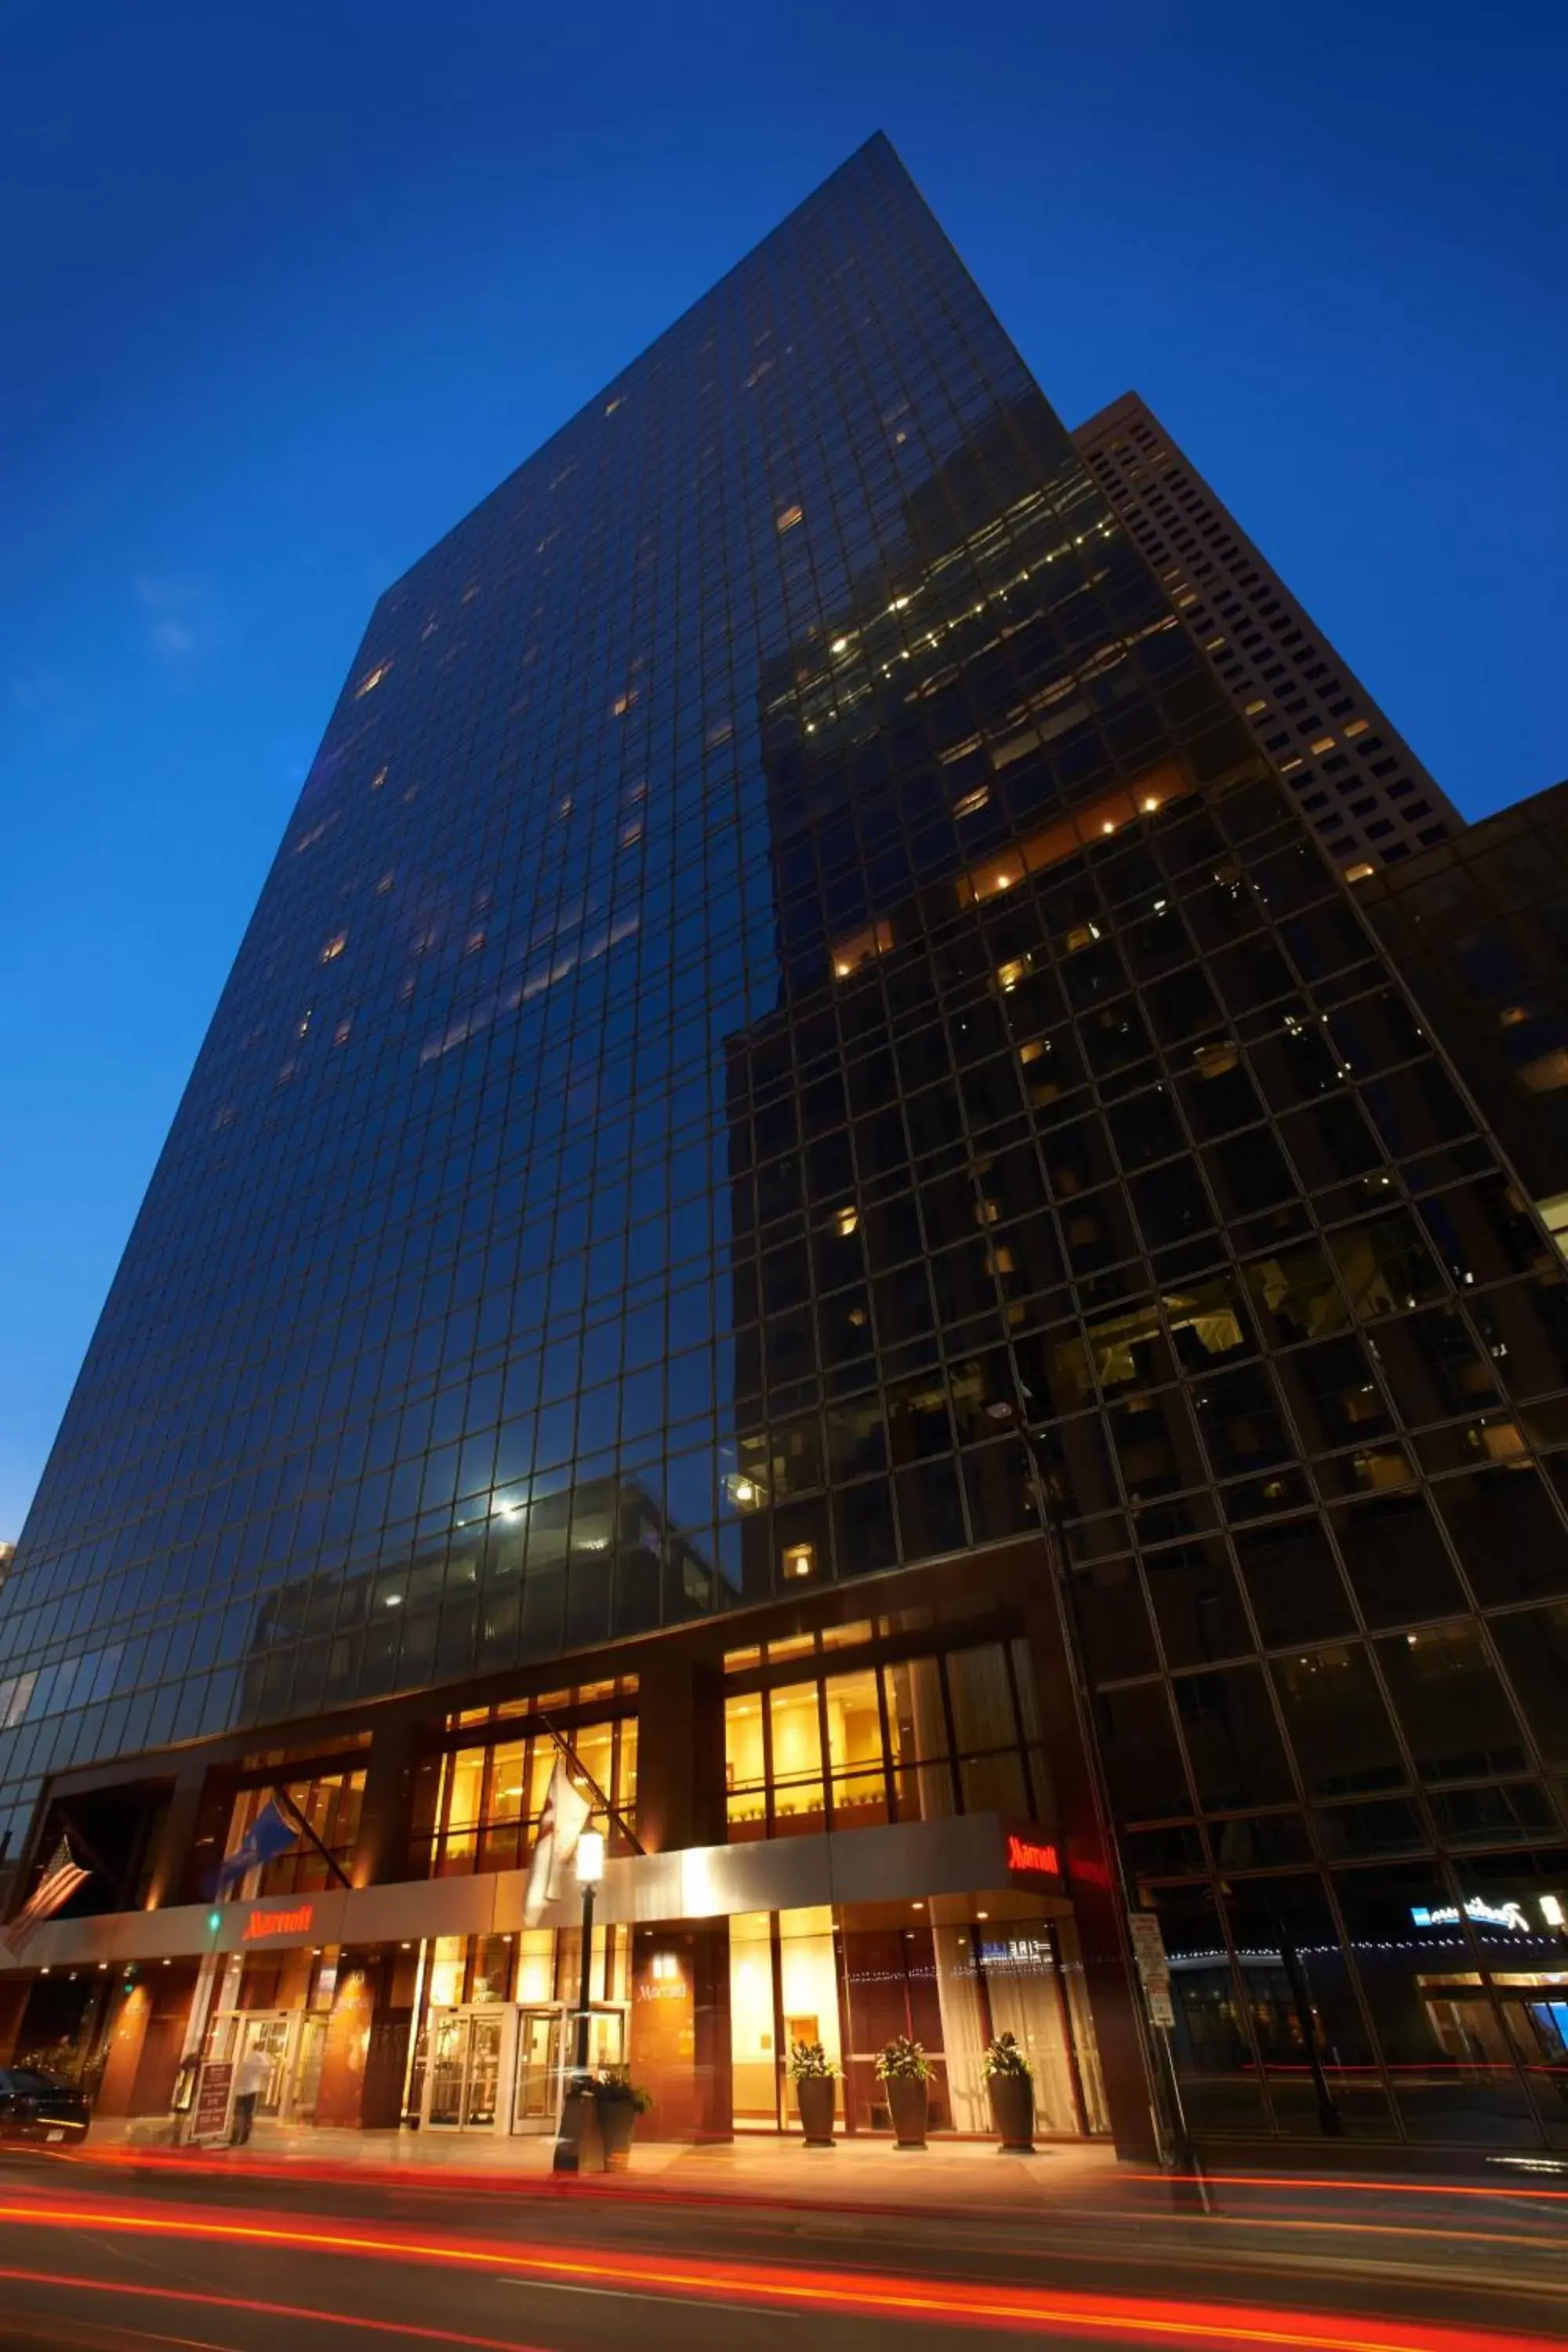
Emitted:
<point x="809" y="1183"/>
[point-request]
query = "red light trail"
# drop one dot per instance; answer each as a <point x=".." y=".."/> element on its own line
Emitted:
<point x="1026" y="2310"/>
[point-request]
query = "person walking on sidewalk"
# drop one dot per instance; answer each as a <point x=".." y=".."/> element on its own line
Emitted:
<point x="249" y="2082"/>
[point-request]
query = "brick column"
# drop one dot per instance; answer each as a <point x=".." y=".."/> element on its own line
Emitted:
<point x="339" y="2094"/>
<point x="14" y="1993"/>
<point x="380" y="1851"/>
<point x="680" y="1751"/>
<point x="715" y="2074"/>
<point x="126" y="2039"/>
<point x="174" y="1845"/>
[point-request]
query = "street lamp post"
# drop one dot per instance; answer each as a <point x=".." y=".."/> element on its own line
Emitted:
<point x="589" y="1870"/>
<point x="1169" y="2111"/>
<point x="574" y="2110"/>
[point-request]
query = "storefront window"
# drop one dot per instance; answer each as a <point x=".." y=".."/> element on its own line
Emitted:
<point x="485" y="1800"/>
<point x="1211" y="2043"/>
<point x="854" y="1749"/>
<point x="465" y="1804"/>
<point x="1444" y="2039"/>
<point x="890" y="1986"/>
<point x="916" y="1740"/>
<point x="808" y="1980"/>
<point x="952" y="1977"/>
<point x="753" y="2026"/>
<point x="331" y="1804"/>
<point x="1312" y="2034"/>
<point x="1023" y="1993"/>
<point x="796" y="1776"/>
<point x="745" y="1767"/>
<point x="535" y="1966"/>
<point x="917" y="1721"/>
<point x="447" y="1957"/>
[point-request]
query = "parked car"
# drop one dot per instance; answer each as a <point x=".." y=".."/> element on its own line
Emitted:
<point x="41" y="2107"/>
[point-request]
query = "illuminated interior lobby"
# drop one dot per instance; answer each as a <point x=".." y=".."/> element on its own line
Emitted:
<point x="850" y="1831"/>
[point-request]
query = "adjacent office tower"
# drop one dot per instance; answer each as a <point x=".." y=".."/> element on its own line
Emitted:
<point x="1362" y="789"/>
<point x="789" y="957"/>
<point x="1479" y="927"/>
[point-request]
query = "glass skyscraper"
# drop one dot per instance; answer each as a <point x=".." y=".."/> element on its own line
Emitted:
<point x="786" y="960"/>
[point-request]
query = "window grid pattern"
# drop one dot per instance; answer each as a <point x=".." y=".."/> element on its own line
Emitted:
<point x="488" y="1798"/>
<point x="1357" y="781"/>
<point x="788" y="939"/>
<point x="919" y="1737"/>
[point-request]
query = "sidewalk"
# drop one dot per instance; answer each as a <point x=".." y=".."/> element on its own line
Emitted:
<point x="961" y="2176"/>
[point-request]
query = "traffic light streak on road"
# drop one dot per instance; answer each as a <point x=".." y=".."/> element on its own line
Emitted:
<point x="882" y="2296"/>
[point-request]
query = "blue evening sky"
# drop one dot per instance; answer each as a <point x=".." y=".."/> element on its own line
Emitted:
<point x="284" y="290"/>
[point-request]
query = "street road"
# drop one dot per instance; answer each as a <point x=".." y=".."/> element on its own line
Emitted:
<point x="217" y="2259"/>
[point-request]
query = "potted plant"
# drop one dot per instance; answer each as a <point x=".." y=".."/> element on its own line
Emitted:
<point x="904" y="2069"/>
<point x="619" y="2101"/>
<point x="1010" y="2080"/>
<point x="812" y="2073"/>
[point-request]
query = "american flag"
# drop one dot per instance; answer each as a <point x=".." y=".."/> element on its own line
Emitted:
<point x="56" y="1887"/>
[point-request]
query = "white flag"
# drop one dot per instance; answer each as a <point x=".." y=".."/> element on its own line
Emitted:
<point x="566" y="1811"/>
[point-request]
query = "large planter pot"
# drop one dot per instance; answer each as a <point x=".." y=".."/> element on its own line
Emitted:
<point x="814" y="2095"/>
<point x="617" y="2121"/>
<point x="908" y="2103"/>
<point x="1013" y="2112"/>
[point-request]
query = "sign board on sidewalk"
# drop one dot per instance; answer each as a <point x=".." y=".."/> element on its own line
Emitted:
<point x="1148" y="1946"/>
<point x="210" y="2118"/>
<point x="1154" y="1967"/>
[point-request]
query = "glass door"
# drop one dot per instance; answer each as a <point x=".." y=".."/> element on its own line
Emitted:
<point x="538" y="2070"/>
<point x="223" y="2033"/>
<point x="466" y="2047"/>
<point x="269" y="2036"/>
<point x="308" y="2066"/>
<point x="448" y="2066"/>
<point x="606" y="2040"/>
<point x="482" y="2076"/>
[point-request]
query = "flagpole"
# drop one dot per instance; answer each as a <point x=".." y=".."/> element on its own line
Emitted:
<point x="71" y="1828"/>
<point x="577" y="1766"/>
<point x="282" y="1797"/>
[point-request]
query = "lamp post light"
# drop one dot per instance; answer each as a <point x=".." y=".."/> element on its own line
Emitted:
<point x="590" y="1872"/>
<point x="578" y="2103"/>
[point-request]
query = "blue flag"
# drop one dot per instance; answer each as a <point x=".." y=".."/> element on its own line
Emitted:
<point x="269" y="1835"/>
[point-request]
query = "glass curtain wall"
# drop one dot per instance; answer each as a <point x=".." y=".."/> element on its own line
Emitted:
<point x="784" y="949"/>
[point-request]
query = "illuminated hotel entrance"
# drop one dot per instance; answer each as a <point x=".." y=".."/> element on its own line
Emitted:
<point x="497" y="2066"/>
<point x="541" y="2042"/>
<point x="291" y="2042"/>
<point x="950" y="1972"/>
<point x="462" y="2078"/>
